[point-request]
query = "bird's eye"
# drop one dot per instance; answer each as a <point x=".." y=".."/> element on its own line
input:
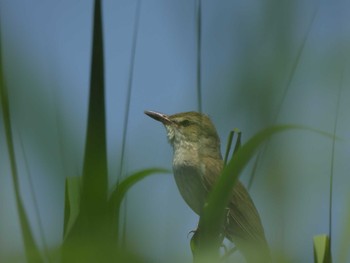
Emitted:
<point x="185" y="123"/>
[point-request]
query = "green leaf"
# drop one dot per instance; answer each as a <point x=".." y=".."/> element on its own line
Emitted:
<point x="121" y="189"/>
<point x="31" y="249"/>
<point x="322" y="251"/>
<point x="95" y="178"/>
<point x="238" y="141"/>
<point x="344" y="242"/>
<point x="72" y="203"/>
<point x="89" y="223"/>
<point x="229" y="143"/>
<point x="213" y="213"/>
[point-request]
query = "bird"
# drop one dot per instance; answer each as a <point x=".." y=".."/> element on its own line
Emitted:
<point x="197" y="164"/>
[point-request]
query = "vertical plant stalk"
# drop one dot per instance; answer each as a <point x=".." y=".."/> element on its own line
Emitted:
<point x="332" y="162"/>
<point x="127" y="110"/>
<point x="296" y="62"/>
<point x="31" y="249"/>
<point x="229" y="143"/>
<point x="198" y="17"/>
<point x="129" y="88"/>
<point x="95" y="179"/>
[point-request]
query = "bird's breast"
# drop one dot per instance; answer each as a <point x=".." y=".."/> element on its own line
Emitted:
<point x="189" y="182"/>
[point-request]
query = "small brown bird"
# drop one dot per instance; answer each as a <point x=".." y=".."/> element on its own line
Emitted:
<point x="197" y="163"/>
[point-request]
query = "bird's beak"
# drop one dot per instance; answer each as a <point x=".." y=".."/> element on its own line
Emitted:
<point x="163" y="118"/>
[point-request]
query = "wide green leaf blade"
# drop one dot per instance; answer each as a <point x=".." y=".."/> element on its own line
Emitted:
<point x="214" y="211"/>
<point x="121" y="189"/>
<point x="322" y="251"/>
<point x="94" y="183"/>
<point x="89" y="228"/>
<point x="344" y="240"/>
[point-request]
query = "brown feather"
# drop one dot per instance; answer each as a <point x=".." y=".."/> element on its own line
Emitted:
<point x="243" y="225"/>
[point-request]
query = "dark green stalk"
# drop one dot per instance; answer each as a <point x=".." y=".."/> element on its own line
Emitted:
<point x="95" y="179"/>
<point x="87" y="225"/>
<point x="229" y="143"/>
<point x="228" y="146"/>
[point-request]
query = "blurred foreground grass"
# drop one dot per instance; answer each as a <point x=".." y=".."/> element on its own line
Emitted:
<point x="92" y="227"/>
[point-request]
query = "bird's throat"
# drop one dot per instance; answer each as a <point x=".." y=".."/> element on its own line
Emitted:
<point x="188" y="176"/>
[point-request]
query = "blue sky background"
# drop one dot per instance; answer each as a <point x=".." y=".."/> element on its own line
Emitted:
<point x="249" y="49"/>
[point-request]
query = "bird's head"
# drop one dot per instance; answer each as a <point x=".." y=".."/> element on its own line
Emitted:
<point x="189" y="129"/>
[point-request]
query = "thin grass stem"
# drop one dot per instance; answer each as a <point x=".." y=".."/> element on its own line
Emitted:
<point x="291" y="75"/>
<point x="331" y="177"/>
<point x="31" y="249"/>
<point x="35" y="202"/>
<point x="198" y="23"/>
<point x="127" y="109"/>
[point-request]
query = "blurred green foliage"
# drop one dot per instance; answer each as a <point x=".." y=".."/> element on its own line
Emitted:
<point x="92" y="217"/>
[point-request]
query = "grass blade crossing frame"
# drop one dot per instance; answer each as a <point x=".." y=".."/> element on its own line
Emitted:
<point x="208" y="238"/>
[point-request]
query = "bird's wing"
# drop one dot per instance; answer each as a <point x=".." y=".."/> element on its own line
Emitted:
<point x="243" y="220"/>
<point x="246" y="222"/>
